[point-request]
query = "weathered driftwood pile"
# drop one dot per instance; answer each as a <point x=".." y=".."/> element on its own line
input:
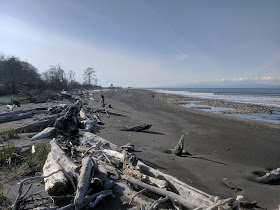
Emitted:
<point x="86" y="169"/>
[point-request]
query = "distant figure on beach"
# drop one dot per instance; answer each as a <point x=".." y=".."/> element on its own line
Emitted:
<point x="102" y="100"/>
<point x="153" y="96"/>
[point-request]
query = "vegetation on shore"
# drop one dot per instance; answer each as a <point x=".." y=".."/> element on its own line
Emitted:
<point x="21" y="77"/>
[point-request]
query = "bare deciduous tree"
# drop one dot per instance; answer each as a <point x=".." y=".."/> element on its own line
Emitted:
<point x="89" y="76"/>
<point x="71" y="77"/>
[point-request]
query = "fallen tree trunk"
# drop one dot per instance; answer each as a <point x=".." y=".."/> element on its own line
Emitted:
<point x="173" y="197"/>
<point x="56" y="184"/>
<point x="137" y="128"/>
<point x="14" y="117"/>
<point x="47" y="132"/>
<point x="194" y="195"/>
<point x="15" y="112"/>
<point x="63" y="160"/>
<point x="37" y="125"/>
<point x="86" y="174"/>
<point x="270" y="176"/>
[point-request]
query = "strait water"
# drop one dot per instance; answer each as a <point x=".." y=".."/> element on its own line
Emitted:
<point x="268" y="97"/>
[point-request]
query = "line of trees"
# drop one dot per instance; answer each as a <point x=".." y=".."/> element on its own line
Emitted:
<point x="17" y="75"/>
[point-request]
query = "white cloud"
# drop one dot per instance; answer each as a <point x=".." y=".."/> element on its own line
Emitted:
<point x="265" y="78"/>
<point x="268" y="78"/>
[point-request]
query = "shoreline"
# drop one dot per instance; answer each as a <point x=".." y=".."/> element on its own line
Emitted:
<point x="221" y="146"/>
<point x="270" y="114"/>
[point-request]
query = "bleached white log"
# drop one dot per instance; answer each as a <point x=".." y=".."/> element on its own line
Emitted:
<point x="86" y="173"/>
<point x="190" y="193"/>
<point x="64" y="161"/>
<point x="14" y="117"/>
<point x="154" y="181"/>
<point x="56" y="183"/>
<point x="270" y="176"/>
<point x="115" y="157"/>
<point x="83" y="114"/>
<point x="173" y="196"/>
<point x="92" y="139"/>
<point x="47" y="132"/>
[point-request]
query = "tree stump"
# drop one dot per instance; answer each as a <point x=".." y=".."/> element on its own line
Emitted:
<point x="178" y="150"/>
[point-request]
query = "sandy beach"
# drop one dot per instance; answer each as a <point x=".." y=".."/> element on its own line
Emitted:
<point x="220" y="146"/>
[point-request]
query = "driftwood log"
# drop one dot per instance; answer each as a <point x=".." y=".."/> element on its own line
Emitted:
<point x="63" y="160"/>
<point x="68" y="124"/>
<point x="14" y="117"/>
<point x="2" y="114"/>
<point x="190" y="193"/>
<point x="37" y="125"/>
<point x="86" y="174"/>
<point x="137" y="128"/>
<point x="173" y="197"/>
<point x="269" y="176"/>
<point x="90" y="139"/>
<point x="47" y="132"/>
<point x="57" y="184"/>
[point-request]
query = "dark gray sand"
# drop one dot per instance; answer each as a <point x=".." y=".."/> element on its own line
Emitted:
<point x="221" y="146"/>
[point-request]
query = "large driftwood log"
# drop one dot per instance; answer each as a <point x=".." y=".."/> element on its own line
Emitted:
<point x="56" y="184"/>
<point x="64" y="161"/>
<point x="86" y="174"/>
<point x="270" y="176"/>
<point x="90" y="139"/>
<point x="14" y="117"/>
<point x="190" y="193"/>
<point x="47" y="132"/>
<point x="2" y="114"/>
<point x="37" y="125"/>
<point x="178" y="150"/>
<point x="173" y="197"/>
<point x="137" y="128"/>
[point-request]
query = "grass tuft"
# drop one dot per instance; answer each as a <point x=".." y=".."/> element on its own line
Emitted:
<point x="8" y="134"/>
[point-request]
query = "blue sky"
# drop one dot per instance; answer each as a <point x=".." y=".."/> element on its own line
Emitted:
<point x="148" y="43"/>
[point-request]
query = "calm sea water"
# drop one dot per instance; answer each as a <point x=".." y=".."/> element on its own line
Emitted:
<point x="269" y="97"/>
<point x="259" y="96"/>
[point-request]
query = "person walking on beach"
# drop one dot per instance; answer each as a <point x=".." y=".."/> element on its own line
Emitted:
<point x="102" y="100"/>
